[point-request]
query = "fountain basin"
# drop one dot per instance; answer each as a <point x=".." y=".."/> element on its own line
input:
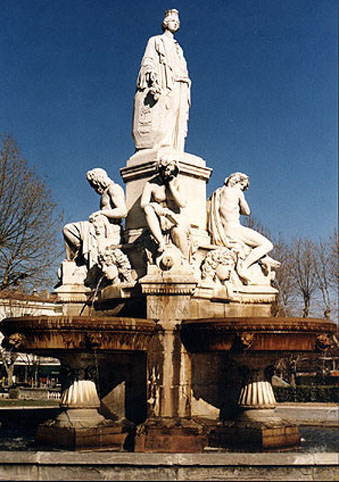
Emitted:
<point x="254" y="345"/>
<point x="52" y="335"/>
<point x="79" y="342"/>
<point x="257" y="334"/>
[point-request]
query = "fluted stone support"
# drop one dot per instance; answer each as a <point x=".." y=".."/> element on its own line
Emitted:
<point x="80" y="425"/>
<point x="257" y="424"/>
<point x="257" y="391"/>
<point x="257" y="395"/>
<point x="80" y="394"/>
<point x="79" y="390"/>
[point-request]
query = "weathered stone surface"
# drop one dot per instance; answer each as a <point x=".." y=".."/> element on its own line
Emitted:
<point x="60" y="465"/>
<point x="246" y="248"/>
<point x="184" y="436"/>
<point x="53" y="334"/>
<point x="85" y="240"/>
<point x="272" y="333"/>
<point x="107" y="435"/>
<point x="309" y="414"/>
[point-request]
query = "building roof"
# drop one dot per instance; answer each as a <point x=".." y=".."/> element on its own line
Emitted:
<point x="43" y="297"/>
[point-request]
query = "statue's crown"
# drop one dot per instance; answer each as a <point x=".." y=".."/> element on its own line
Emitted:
<point x="173" y="12"/>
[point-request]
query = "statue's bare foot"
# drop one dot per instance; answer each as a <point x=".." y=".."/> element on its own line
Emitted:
<point x="268" y="263"/>
<point x="242" y="273"/>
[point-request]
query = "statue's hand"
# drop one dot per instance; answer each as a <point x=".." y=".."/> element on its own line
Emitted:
<point x="152" y="78"/>
<point x="156" y="92"/>
<point x="171" y="216"/>
<point x="155" y="89"/>
<point x="159" y="210"/>
<point x="95" y="215"/>
<point x="168" y="212"/>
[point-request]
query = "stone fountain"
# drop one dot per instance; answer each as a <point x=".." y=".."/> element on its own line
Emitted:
<point x="167" y="343"/>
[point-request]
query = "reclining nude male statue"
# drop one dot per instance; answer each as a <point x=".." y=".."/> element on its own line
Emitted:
<point x="85" y="239"/>
<point x="225" y="207"/>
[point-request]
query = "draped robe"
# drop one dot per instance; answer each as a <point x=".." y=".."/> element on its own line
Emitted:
<point x="161" y="106"/>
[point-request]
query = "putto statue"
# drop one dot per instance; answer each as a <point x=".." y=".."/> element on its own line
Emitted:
<point x="162" y="200"/>
<point x="225" y="207"/>
<point x="162" y="98"/>
<point x="85" y="239"/>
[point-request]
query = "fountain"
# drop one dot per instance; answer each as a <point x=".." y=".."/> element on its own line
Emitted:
<point x="166" y="342"/>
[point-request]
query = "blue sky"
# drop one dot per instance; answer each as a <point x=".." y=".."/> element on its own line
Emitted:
<point x="264" y="97"/>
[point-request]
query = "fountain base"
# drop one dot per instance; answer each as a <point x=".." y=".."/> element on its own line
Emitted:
<point x="170" y="436"/>
<point x="261" y="428"/>
<point x="79" y="429"/>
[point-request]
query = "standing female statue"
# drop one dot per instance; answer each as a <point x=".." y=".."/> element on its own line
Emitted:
<point x="162" y="98"/>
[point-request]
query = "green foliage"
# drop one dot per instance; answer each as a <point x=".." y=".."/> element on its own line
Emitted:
<point x="307" y="393"/>
<point x="20" y="403"/>
<point x="317" y="380"/>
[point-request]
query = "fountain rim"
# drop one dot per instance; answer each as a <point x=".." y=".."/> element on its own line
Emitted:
<point x="76" y="318"/>
<point x="236" y="334"/>
<point x="262" y="323"/>
<point x="55" y="335"/>
<point x="76" y="322"/>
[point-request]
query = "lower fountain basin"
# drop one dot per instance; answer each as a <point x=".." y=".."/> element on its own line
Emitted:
<point x="50" y="335"/>
<point x="254" y="345"/>
<point x="259" y="334"/>
<point x="80" y="342"/>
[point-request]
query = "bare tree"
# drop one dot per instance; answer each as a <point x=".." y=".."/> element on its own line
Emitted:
<point x="284" y="279"/>
<point x="304" y="259"/>
<point x="284" y="276"/>
<point x="333" y="260"/>
<point x="322" y="267"/>
<point x="309" y="271"/>
<point x="29" y="223"/>
<point x="287" y="367"/>
<point x="8" y="358"/>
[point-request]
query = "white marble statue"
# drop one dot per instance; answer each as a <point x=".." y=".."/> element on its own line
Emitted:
<point x="84" y="239"/>
<point x="115" y="265"/>
<point x="225" y="207"/>
<point x="162" y="98"/>
<point x="219" y="267"/>
<point x="162" y="200"/>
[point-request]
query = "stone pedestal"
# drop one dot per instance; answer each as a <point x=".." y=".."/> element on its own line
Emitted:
<point x="80" y="425"/>
<point x="257" y="424"/>
<point x="169" y="427"/>
<point x="72" y="294"/>
<point x="168" y="435"/>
